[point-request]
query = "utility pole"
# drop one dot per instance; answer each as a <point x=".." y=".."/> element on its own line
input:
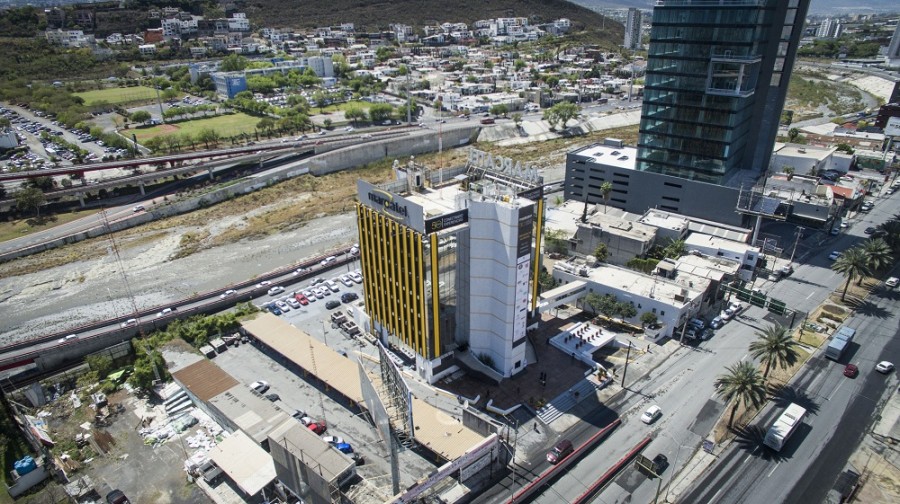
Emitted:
<point x="796" y="241"/>
<point x="625" y="371"/>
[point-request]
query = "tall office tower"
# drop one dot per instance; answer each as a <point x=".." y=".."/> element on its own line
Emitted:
<point x="828" y="28"/>
<point x="633" y="30"/>
<point x="893" y="52"/>
<point x="453" y="263"/>
<point x="717" y="76"/>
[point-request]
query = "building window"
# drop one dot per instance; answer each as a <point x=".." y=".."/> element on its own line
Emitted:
<point x="662" y="313"/>
<point x="669" y="198"/>
<point x="670" y="184"/>
<point x="654" y="310"/>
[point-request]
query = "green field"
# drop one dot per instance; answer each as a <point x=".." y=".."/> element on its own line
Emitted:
<point x="340" y="106"/>
<point x="226" y="125"/>
<point x="118" y="96"/>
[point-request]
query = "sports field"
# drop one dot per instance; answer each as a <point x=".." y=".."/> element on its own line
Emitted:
<point x="225" y="125"/>
<point x="118" y="96"/>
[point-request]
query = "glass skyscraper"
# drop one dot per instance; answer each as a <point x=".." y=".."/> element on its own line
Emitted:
<point x="717" y="76"/>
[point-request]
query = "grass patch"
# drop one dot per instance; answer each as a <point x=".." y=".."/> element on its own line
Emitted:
<point x="809" y="91"/>
<point x="339" y="107"/>
<point x="117" y="96"/>
<point x="226" y="125"/>
<point x="855" y="293"/>
<point x="24" y="227"/>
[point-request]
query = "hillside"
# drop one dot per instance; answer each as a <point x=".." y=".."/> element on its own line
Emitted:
<point x="378" y="14"/>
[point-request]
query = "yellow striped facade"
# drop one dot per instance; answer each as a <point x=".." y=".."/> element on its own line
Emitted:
<point x="394" y="267"/>
<point x="536" y="257"/>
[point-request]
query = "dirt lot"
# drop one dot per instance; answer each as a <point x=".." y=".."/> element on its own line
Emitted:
<point x="117" y="458"/>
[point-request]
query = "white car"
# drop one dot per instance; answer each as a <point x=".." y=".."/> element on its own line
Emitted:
<point x="345" y="279"/>
<point x="260" y="386"/>
<point x="294" y="303"/>
<point x="834" y="255"/>
<point x="164" y="312"/>
<point x="727" y="314"/>
<point x="356" y="277"/>
<point x="282" y="306"/>
<point x="892" y="282"/>
<point x="651" y="415"/>
<point x="332" y="285"/>
<point x="333" y="439"/>
<point x="130" y="322"/>
<point x="309" y="295"/>
<point x="276" y="290"/>
<point x="228" y="293"/>
<point x="264" y="283"/>
<point x="884" y="367"/>
<point x="68" y="338"/>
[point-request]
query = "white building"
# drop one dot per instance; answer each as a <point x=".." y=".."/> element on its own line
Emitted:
<point x="633" y="30"/>
<point x="743" y="254"/>
<point x="459" y="267"/>
<point x="804" y="159"/>
<point x="672" y="302"/>
<point x="239" y="22"/>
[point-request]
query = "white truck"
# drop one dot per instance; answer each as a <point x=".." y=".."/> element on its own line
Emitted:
<point x="784" y="426"/>
<point x="839" y="343"/>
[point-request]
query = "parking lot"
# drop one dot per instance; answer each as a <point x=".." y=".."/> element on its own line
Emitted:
<point x="248" y="364"/>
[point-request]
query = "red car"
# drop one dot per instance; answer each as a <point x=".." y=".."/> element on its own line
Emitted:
<point x="851" y="371"/>
<point x="301" y="299"/>
<point x="318" y="427"/>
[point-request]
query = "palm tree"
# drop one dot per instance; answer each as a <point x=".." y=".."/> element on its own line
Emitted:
<point x="775" y="346"/>
<point x="891" y="230"/>
<point x="605" y="189"/>
<point x="878" y="254"/>
<point x="852" y="264"/>
<point x="743" y="384"/>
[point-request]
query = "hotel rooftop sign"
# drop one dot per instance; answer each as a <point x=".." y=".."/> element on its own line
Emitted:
<point x="504" y="167"/>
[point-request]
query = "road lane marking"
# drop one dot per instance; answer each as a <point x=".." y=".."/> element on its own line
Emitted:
<point x="747" y="458"/>
<point x="773" y="470"/>
<point x="811" y="294"/>
<point x="836" y="389"/>
<point x="717" y="494"/>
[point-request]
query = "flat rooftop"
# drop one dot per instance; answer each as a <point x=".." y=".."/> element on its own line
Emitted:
<point x="706" y="266"/>
<point x="433" y="428"/>
<point x="567" y="217"/>
<point x="245" y="462"/>
<point x="204" y="379"/>
<point x="665" y="220"/>
<point x="252" y="413"/>
<point x="620" y="157"/>
<point x="302" y="443"/>
<point x="805" y="151"/>
<point x="709" y="241"/>
<point x="642" y="285"/>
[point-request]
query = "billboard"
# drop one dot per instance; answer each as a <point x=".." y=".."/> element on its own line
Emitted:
<point x="447" y="221"/>
<point x="375" y="406"/>
<point x="396" y="207"/>
<point x="892" y="128"/>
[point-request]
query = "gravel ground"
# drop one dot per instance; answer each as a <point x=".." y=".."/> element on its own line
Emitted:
<point x="68" y="296"/>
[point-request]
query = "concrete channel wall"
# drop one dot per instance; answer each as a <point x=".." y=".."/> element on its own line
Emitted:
<point x="332" y="160"/>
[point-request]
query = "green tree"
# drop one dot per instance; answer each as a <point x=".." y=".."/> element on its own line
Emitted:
<point x="649" y="319"/>
<point x="844" y="147"/>
<point x="601" y="252"/>
<point x="878" y="254"/>
<point x="233" y="63"/>
<point x="141" y="116"/>
<point x="211" y="136"/>
<point x="380" y="112"/>
<point x="793" y="135"/>
<point x="592" y="301"/>
<point x="438" y="107"/>
<point x="891" y="231"/>
<point x="102" y="364"/>
<point x="853" y="263"/>
<point x="774" y="345"/>
<point x="517" y="118"/>
<point x="30" y="198"/>
<point x="626" y="310"/>
<point x="567" y="111"/>
<point x="609" y="305"/>
<point x="605" y="189"/>
<point x="500" y="109"/>
<point x="266" y="125"/>
<point x="355" y="114"/>
<point x="327" y="123"/>
<point x="742" y="384"/>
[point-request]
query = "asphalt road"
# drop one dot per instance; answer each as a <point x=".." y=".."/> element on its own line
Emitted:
<point x="840" y="408"/>
<point x="683" y="388"/>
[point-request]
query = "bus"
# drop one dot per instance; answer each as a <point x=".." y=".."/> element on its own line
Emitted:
<point x="787" y="423"/>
